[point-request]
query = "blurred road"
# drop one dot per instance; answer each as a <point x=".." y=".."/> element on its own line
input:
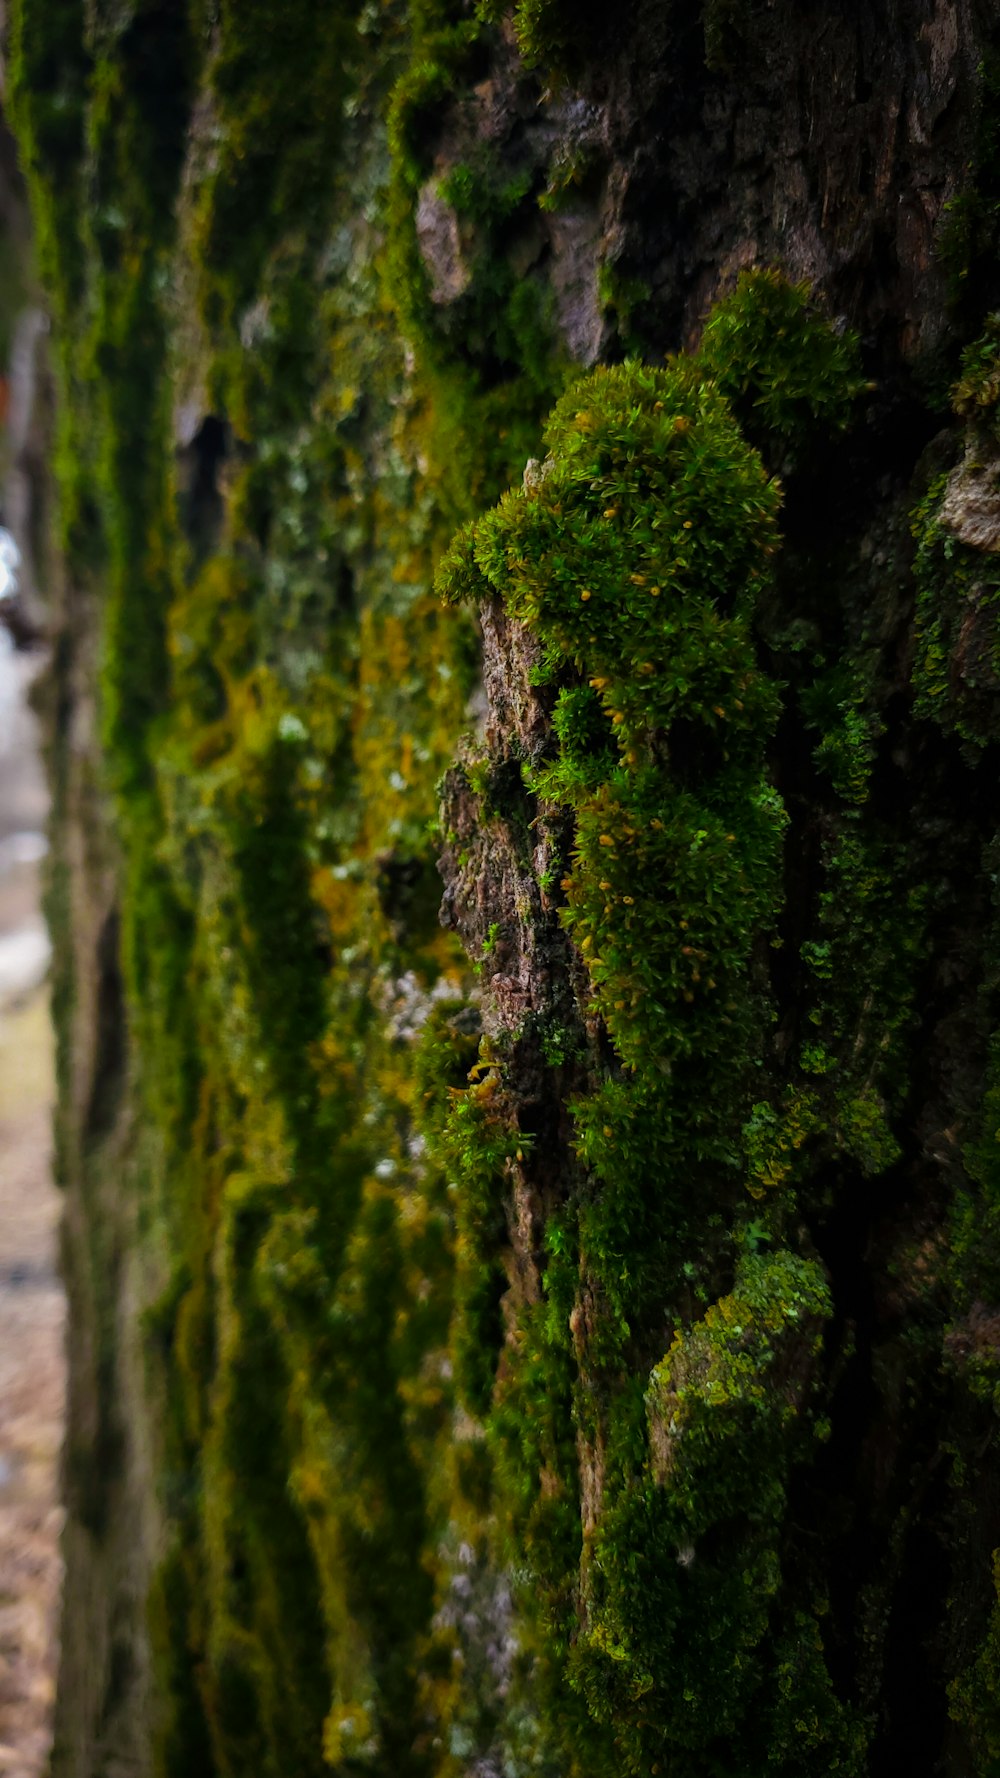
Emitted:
<point x="32" y="1307"/>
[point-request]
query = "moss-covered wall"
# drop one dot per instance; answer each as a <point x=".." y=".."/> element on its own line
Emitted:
<point x="556" y="1334"/>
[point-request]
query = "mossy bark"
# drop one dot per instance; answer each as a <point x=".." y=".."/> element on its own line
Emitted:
<point x="561" y="1336"/>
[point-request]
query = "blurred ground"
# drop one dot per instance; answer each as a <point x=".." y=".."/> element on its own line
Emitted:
<point x="32" y="1309"/>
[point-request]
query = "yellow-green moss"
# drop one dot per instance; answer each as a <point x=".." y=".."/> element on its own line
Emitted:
<point x="638" y="551"/>
<point x="275" y="714"/>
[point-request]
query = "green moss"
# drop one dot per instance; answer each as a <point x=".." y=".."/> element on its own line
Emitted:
<point x="670" y="520"/>
<point x="356" y="1381"/>
<point x="726" y="1420"/>
<point x="275" y="715"/>
<point x="721" y="1380"/>
<point x="789" y="375"/>
<point x="278" y="82"/>
<point x="774" y="1136"/>
<point x="864" y="1004"/>
<point x="551" y="34"/>
<point x="620" y="296"/>
<point x="50" y="63"/>
<point x="637" y="553"/>
<point x="180" y="1738"/>
<point x="957" y="665"/>
<point x="977" y="391"/>
<point x="471" y="1141"/>
<point x="488" y="355"/>
<point x="807" y="1724"/>
<point x="668" y="512"/>
<point x="973" y="1695"/>
<point x="50" y="66"/>
<point x="726" y="1415"/>
<point x="837" y="707"/>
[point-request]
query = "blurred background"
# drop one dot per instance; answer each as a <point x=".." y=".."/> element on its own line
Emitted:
<point x="32" y="1303"/>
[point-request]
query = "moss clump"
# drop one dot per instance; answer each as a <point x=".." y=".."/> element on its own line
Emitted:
<point x="789" y="375"/>
<point x="551" y="34"/>
<point x="727" y="1417"/>
<point x="637" y="553"/>
<point x="977" y="391"/>
<point x="723" y="1379"/>
<point x="635" y="556"/>
<point x="773" y="1137"/>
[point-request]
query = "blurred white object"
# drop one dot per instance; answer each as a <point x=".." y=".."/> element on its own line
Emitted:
<point x="21" y="848"/>
<point x="24" y="960"/>
<point x="10" y="562"/>
<point x="23" y="793"/>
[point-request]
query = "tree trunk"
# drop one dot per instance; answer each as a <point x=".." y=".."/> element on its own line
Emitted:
<point x="565" y="1336"/>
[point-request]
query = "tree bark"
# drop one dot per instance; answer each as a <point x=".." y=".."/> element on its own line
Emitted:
<point x="486" y="1355"/>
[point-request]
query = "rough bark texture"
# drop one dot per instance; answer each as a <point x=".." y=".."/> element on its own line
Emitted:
<point x="537" y="1365"/>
